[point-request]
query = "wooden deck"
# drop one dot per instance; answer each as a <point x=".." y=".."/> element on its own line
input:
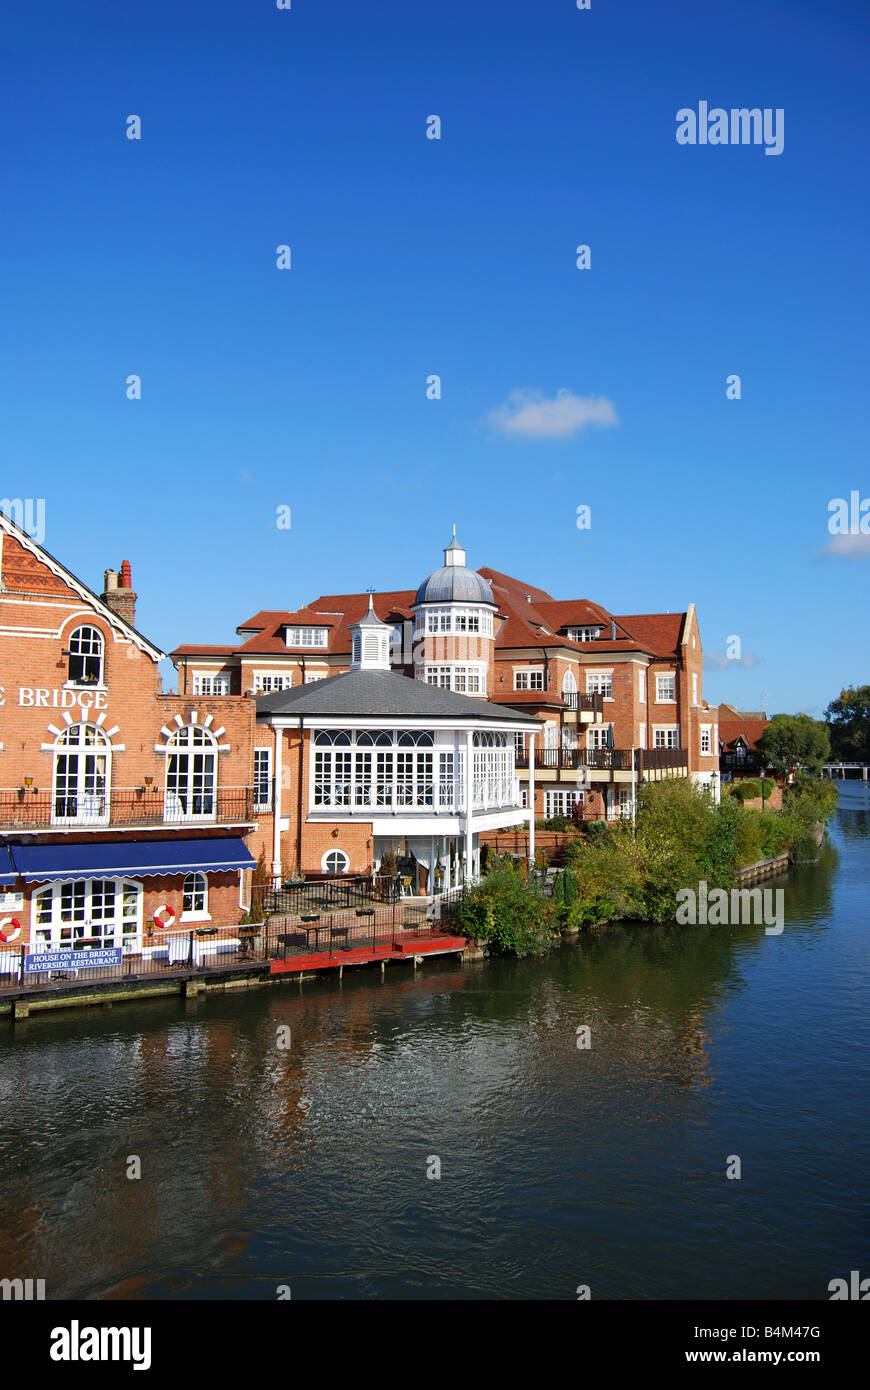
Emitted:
<point x="405" y="948"/>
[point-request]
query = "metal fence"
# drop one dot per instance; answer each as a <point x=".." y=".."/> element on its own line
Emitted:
<point x="296" y="928"/>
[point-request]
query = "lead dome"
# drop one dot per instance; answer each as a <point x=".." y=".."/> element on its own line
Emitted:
<point x="454" y="582"/>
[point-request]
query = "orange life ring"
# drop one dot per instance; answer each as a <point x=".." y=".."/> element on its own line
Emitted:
<point x="10" y="936"/>
<point x="170" y="916"/>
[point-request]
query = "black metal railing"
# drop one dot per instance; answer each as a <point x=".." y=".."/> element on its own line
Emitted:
<point x="607" y="759"/>
<point x="331" y="932"/>
<point x="575" y="700"/>
<point x="23" y="808"/>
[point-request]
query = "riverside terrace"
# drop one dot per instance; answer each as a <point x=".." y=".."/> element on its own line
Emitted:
<point x="304" y="928"/>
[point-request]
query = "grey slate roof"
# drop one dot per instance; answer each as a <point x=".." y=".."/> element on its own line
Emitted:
<point x="370" y="694"/>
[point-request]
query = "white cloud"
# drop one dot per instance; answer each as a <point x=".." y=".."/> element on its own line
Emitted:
<point x="531" y="415"/>
<point x="720" y="662"/>
<point x="849" y="547"/>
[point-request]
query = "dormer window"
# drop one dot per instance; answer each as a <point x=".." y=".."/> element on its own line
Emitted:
<point x="584" y="634"/>
<point x="306" y="636"/>
<point x="85" y="657"/>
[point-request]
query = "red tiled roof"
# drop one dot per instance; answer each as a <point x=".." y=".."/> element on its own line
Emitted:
<point x="527" y="624"/>
<point x="267" y="617"/>
<point x="659" y="633"/>
<point x="516" y="588"/>
<point x="188" y="650"/>
<point x="750" y="729"/>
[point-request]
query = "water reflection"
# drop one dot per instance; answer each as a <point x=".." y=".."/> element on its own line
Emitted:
<point x="307" y="1165"/>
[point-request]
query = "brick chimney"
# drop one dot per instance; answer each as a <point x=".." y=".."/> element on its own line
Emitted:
<point x="118" y="593"/>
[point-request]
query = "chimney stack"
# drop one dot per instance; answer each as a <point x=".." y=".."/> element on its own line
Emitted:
<point x="118" y="593"/>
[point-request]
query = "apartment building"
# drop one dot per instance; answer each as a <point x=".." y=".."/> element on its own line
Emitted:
<point x="600" y="684"/>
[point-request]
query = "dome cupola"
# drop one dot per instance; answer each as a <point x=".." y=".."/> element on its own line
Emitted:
<point x="454" y="582"/>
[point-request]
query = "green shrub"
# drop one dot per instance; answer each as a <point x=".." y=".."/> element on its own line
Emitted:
<point x="749" y="789"/>
<point x="776" y="834"/>
<point x="750" y="838"/>
<point x="804" y="848"/>
<point x="557" y="823"/>
<point x="811" y="799"/>
<point x="511" y="917"/>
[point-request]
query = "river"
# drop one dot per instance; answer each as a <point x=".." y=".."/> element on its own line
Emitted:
<point x="306" y="1166"/>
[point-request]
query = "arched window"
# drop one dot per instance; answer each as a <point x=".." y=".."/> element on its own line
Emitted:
<point x="415" y="740"/>
<point x="194" y="899"/>
<point x="191" y="775"/>
<point x="332" y="737"/>
<point x="569" y="683"/>
<point x="335" y="861"/>
<point x="85" y="657"/>
<point x="81" y="776"/>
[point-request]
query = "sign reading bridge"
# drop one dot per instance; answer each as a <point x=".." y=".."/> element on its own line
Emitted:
<point x="44" y="961"/>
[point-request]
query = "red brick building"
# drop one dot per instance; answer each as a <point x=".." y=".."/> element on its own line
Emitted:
<point x="601" y="683"/>
<point x="116" y="801"/>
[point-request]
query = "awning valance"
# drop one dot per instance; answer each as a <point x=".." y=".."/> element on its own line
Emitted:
<point x="139" y="858"/>
<point x="7" y="869"/>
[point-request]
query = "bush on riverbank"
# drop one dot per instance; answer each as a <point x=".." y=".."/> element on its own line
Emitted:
<point x="506" y="913"/>
<point x="681" y="839"/>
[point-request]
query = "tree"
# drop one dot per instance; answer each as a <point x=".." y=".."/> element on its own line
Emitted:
<point x="795" y="740"/>
<point x="848" y="720"/>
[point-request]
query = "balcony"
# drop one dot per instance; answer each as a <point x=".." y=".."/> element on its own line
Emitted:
<point x="22" y="810"/>
<point x="593" y="704"/>
<point x="609" y="759"/>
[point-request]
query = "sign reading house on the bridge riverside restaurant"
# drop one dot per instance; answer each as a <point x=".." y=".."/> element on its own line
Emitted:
<point x="71" y="960"/>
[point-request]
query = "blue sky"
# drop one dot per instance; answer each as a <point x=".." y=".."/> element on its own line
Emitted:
<point x="306" y="388"/>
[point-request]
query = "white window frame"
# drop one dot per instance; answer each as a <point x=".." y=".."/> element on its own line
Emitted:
<point x="261" y="778"/>
<point x="527" y="677"/>
<point x="666" y="735"/>
<point x="335" y="851"/>
<point x="267" y="682"/>
<point x="308" y="636"/>
<point x="600" y="683"/>
<point x="641" y="685"/>
<point x="464" y="678"/>
<point x="87" y="790"/>
<point x="706" y="736"/>
<point x="193" y="784"/>
<point x="47" y="935"/>
<point x="596" y="736"/>
<point x="195" y="885"/>
<point x="559" y="801"/>
<point x="671" y="678"/>
<point x="210" y="683"/>
<point x="90" y="646"/>
<point x="584" y="634"/>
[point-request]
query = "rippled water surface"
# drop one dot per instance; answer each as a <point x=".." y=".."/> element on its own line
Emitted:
<point x="307" y="1167"/>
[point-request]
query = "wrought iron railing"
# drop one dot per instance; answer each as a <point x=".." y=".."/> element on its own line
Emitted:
<point x="607" y="759"/>
<point x="22" y="808"/>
